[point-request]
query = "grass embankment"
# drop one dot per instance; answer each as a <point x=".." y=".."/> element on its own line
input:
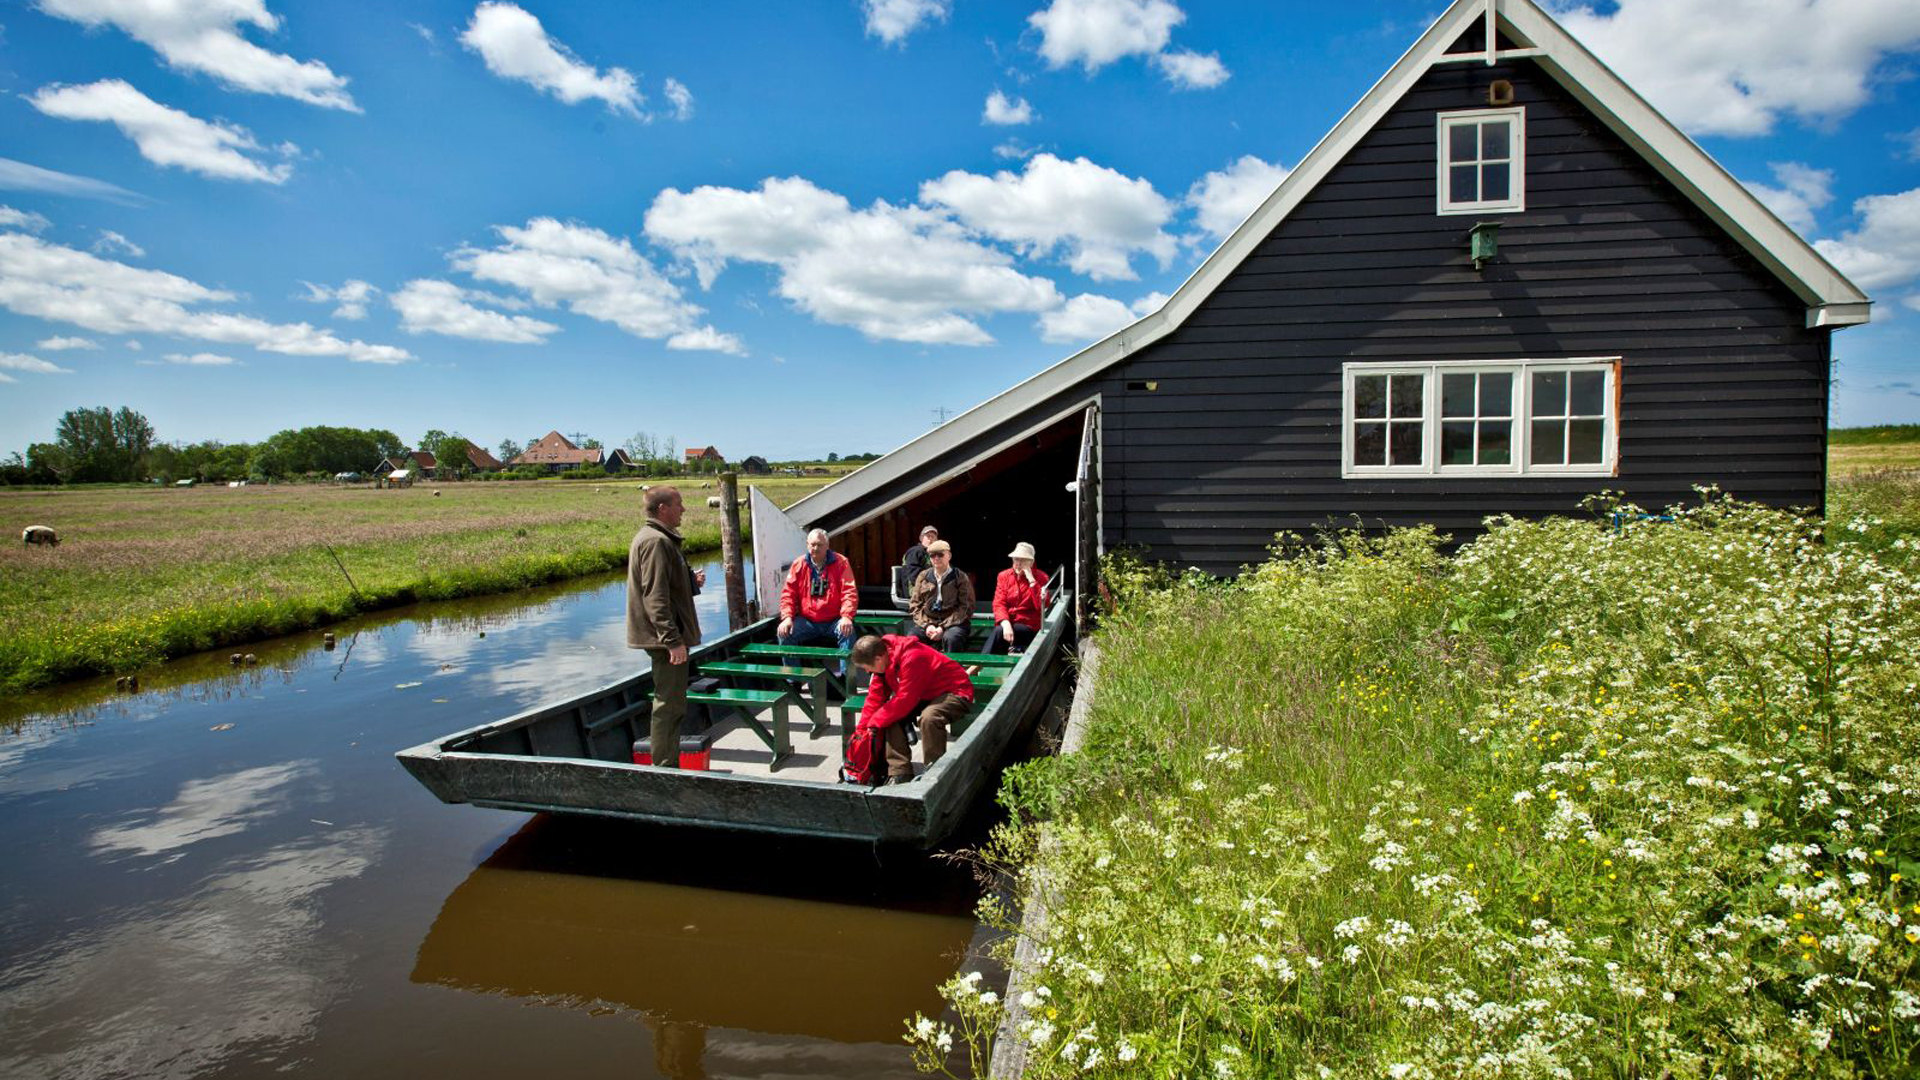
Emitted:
<point x="1571" y="803"/>
<point x="145" y="574"/>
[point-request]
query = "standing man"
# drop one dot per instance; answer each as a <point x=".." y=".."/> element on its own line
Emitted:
<point x="819" y="598"/>
<point x="660" y="615"/>
<point x="912" y="683"/>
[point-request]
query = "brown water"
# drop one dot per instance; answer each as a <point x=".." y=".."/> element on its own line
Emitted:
<point x="227" y="874"/>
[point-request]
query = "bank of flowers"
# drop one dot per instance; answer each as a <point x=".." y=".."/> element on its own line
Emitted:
<point x="1581" y="800"/>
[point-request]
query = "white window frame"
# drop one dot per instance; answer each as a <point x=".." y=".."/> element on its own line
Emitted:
<point x="1516" y="200"/>
<point x="1521" y="463"/>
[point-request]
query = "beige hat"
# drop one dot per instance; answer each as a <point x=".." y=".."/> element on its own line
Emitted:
<point x="939" y="547"/>
<point x="1021" y="550"/>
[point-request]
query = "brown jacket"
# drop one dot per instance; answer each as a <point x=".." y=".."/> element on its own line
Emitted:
<point x="956" y="600"/>
<point x="660" y="612"/>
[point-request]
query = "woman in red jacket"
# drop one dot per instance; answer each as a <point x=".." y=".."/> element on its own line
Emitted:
<point x="1017" y="602"/>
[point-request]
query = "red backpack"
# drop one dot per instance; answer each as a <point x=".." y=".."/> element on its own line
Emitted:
<point x="866" y="758"/>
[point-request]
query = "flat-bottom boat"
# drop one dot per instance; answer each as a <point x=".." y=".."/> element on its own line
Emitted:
<point x="775" y="721"/>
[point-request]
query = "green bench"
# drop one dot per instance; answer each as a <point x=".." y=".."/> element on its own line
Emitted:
<point x="850" y="715"/>
<point x="744" y="702"/>
<point x="813" y="678"/>
<point x="823" y="652"/>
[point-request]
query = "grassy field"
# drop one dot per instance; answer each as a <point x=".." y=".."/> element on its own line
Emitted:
<point x="1889" y="446"/>
<point x="142" y="574"/>
<point x="1571" y="803"/>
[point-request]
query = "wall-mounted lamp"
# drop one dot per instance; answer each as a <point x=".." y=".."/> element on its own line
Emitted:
<point x="1483" y="242"/>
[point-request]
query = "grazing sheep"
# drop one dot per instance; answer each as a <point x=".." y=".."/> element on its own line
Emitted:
<point x="713" y="502"/>
<point x="39" y="534"/>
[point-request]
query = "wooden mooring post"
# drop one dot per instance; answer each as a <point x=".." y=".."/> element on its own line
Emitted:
<point x="730" y="550"/>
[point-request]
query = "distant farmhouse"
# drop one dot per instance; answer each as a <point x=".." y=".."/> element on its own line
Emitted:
<point x="1502" y="283"/>
<point x="555" y="453"/>
<point x="708" y="454"/>
<point x="481" y="461"/>
<point x="755" y="464"/>
<point x="619" y="461"/>
<point x="417" y="463"/>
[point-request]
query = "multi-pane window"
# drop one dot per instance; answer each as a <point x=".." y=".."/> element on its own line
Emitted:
<point x="1480" y="417"/>
<point x="1482" y="161"/>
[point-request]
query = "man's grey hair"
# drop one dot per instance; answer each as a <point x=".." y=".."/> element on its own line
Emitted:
<point x="821" y="533"/>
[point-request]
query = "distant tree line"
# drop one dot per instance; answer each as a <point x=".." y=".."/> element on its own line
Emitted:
<point x="102" y="445"/>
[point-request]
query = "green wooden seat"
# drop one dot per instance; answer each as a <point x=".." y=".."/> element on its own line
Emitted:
<point x="814" y="679"/>
<point x="983" y="659"/>
<point x="734" y="699"/>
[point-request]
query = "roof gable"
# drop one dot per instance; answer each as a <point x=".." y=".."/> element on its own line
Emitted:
<point x="1522" y="31"/>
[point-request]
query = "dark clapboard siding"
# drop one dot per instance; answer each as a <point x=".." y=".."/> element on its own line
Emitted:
<point x="1721" y="382"/>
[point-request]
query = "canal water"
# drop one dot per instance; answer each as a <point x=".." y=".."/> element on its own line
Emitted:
<point x="227" y="874"/>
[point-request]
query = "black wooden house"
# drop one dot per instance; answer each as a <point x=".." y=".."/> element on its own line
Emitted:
<point x="1501" y="283"/>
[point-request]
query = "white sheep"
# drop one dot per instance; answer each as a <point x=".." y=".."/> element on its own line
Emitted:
<point x="39" y="534"/>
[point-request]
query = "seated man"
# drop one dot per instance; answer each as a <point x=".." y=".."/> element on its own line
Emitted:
<point x="942" y="604"/>
<point x="915" y="562"/>
<point x="819" y="598"/>
<point x="910" y="681"/>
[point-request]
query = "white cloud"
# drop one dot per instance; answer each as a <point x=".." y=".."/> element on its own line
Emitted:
<point x="1885" y="250"/>
<point x="1095" y="33"/>
<point x="1909" y="144"/>
<point x="892" y="20"/>
<point x="894" y="273"/>
<point x="204" y="36"/>
<point x="587" y="272"/>
<point x="681" y="99"/>
<point x="515" y="46"/>
<point x="352" y="295"/>
<point x="62" y="344"/>
<point x="1222" y="200"/>
<point x="1099" y="215"/>
<point x="165" y="136"/>
<point x="1090" y="317"/>
<point x="61" y="284"/>
<point x="1006" y="111"/>
<point x="6" y="378"/>
<point x="427" y="306"/>
<point x="1913" y="301"/>
<point x="708" y="339"/>
<point x="1015" y="150"/>
<point x="112" y="243"/>
<point x="22" y="219"/>
<point x="1189" y="70"/>
<point x="1735" y="67"/>
<point x="201" y="359"/>
<point x="20" y="176"/>
<point x="1802" y="189"/>
<point x="13" y="361"/>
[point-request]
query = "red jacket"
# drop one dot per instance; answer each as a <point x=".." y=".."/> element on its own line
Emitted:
<point x="1017" y="602"/>
<point x="916" y="674"/>
<point x="840" y="602"/>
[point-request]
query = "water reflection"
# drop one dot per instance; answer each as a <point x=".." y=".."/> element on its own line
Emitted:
<point x="240" y="964"/>
<point x="204" y="809"/>
<point x="561" y="916"/>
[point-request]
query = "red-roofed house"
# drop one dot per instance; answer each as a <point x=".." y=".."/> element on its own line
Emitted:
<point x="708" y="454"/>
<point x="555" y="453"/>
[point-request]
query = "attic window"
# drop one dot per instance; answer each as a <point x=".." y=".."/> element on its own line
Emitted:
<point x="1482" y="166"/>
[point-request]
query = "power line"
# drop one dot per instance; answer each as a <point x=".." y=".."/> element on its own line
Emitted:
<point x="940" y="414"/>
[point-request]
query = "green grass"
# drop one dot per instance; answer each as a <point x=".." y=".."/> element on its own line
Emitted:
<point x="1880" y="434"/>
<point x="1568" y="803"/>
<point x="1872" y="449"/>
<point x="141" y="575"/>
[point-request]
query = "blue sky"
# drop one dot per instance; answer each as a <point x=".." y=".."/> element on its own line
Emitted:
<point x="782" y="229"/>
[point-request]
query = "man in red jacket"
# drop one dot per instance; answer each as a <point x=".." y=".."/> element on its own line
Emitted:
<point x="911" y="679"/>
<point x="819" y="598"/>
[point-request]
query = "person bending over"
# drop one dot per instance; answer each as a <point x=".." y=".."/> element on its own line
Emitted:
<point x="1017" y="602"/>
<point x="912" y="682"/>
<point x="942" y="603"/>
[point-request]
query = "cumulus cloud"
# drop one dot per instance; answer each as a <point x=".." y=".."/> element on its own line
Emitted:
<point x="588" y="272"/>
<point x="1884" y="251"/>
<point x="1189" y="70"/>
<point x="201" y="359"/>
<point x="1090" y="317"/>
<point x="1223" y="199"/>
<point x="22" y="219"/>
<point x="892" y="20"/>
<point x="20" y="176"/>
<point x="62" y="344"/>
<point x="894" y="273"/>
<point x="515" y="46"/>
<point x="1095" y="33"/>
<point x="427" y="306"/>
<point x="1006" y="111"/>
<point x="205" y="37"/>
<point x="1763" y="59"/>
<point x="1015" y="150"/>
<point x="1800" y="190"/>
<point x="13" y="361"/>
<point x="164" y="136"/>
<point x="680" y="98"/>
<point x="710" y="340"/>
<point x="62" y="284"/>
<point x="352" y="296"/>
<point x="1099" y="216"/>
<point x="112" y="243"/>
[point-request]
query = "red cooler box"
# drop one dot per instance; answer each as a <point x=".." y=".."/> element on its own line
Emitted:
<point x="695" y="752"/>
